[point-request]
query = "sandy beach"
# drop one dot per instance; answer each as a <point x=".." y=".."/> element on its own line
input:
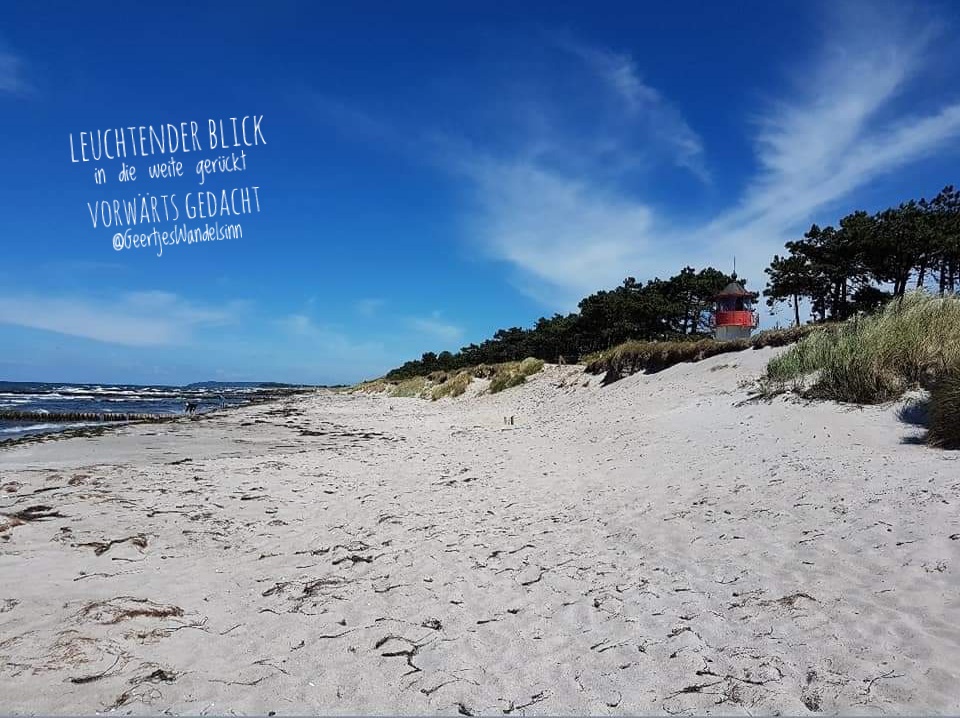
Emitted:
<point x="658" y="545"/>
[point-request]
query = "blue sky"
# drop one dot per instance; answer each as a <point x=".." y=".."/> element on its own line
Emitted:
<point x="433" y="172"/>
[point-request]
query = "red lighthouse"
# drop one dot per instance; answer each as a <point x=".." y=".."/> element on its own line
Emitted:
<point x="733" y="316"/>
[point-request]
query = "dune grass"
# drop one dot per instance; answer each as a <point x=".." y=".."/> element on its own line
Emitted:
<point x="506" y="380"/>
<point x="944" y="413"/>
<point x="372" y="386"/>
<point x="513" y="374"/>
<point x="653" y="356"/>
<point x="452" y="386"/>
<point x="781" y="337"/>
<point x="635" y="356"/>
<point x="530" y="366"/>
<point x="414" y="386"/>
<point x="441" y="384"/>
<point x="911" y="343"/>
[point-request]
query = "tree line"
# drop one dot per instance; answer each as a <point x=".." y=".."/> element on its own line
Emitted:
<point x="870" y="258"/>
<point x="857" y="266"/>
<point x="659" y="309"/>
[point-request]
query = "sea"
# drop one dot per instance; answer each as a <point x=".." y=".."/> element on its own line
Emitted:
<point x="48" y="402"/>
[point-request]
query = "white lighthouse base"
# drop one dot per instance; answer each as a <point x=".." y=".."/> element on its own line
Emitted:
<point x="726" y="334"/>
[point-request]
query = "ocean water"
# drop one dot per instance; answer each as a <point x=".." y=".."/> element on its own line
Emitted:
<point x="41" y="399"/>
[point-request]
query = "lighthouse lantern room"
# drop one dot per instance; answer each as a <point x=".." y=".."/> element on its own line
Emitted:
<point x="733" y="316"/>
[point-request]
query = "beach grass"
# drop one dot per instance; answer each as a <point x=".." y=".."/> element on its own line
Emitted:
<point x="913" y="342"/>
<point x="513" y="374"/>
<point x="944" y="412"/>
<point x="414" y="386"/>
<point x="653" y="356"/>
<point x="506" y="380"/>
<point x="450" y="384"/>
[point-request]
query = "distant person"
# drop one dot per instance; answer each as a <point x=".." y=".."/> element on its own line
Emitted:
<point x="191" y="407"/>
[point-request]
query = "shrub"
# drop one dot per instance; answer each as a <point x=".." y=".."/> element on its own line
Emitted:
<point x="944" y="414"/>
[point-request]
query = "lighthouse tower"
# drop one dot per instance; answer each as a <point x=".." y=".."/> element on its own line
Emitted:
<point x="733" y="316"/>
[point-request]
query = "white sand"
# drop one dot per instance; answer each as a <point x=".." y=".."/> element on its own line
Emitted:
<point x="646" y="547"/>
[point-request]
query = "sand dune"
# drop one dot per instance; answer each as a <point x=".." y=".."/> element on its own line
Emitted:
<point x="654" y="546"/>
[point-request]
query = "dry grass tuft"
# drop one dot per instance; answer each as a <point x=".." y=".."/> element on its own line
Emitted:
<point x="122" y="608"/>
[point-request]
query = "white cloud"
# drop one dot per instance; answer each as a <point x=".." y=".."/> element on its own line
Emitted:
<point x="299" y="324"/>
<point x="369" y="307"/>
<point x="568" y="235"/>
<point x="436" y="328"/>
<point x="332" y="342"/>
<point x="555" y="189"/>
<point x="570" y="231"/>
<point x="138" y="319"/>
<point x="646" y="108"/>
<point x="331" y="350"/>
<point x="350" y="121"/>
<point x="843" y="130"/>
<point x="12" y="78"/>
<point x="551" y="203"/>
<point x="342" y="355"/>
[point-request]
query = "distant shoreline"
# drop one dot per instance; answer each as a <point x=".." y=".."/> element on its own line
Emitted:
<point x="29" y="411"/>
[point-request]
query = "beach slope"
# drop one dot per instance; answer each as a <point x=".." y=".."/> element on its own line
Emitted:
<point x="656" y="545"/>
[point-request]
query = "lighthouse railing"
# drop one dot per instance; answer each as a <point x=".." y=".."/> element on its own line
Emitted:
<point x="735" y="318"/>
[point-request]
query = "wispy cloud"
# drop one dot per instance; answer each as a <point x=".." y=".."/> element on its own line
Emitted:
<point x="555" y="192"/>
<point x="350" y="121"/>
<point x="347" y="355"/>
<point x="552" y="204"/>
<point x="369" y="306"/>
<point x="648" y="110"/>
<point x="547" y="187"/>
<point x="843" y="128"/>
<point x="333" y="349"/>
<point x="567" y="234"/>
<point x="436" y="328"/>
<point x="840" y="125"/>
<point x="138" y="319"/>
<point x="12" y="77"/>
